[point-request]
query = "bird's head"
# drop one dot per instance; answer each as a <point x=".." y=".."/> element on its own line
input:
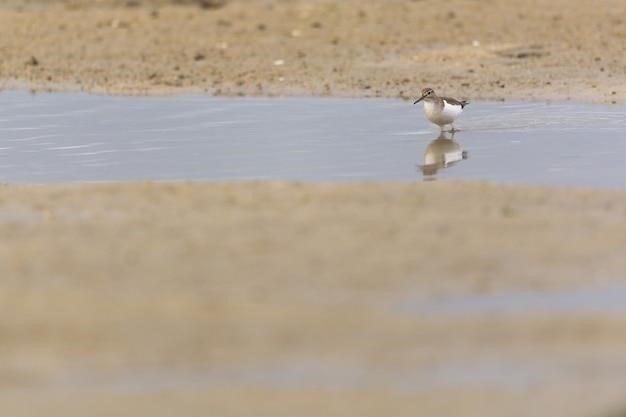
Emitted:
<point x="425" y="93"/>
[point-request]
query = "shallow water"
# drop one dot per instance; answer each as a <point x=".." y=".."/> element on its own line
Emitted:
<point x="61" y="137"/>
<point x="300" y="373"/>
<point x="602" y="300"/>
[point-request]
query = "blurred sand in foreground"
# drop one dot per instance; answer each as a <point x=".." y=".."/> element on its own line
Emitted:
<point x="291" y="299"/>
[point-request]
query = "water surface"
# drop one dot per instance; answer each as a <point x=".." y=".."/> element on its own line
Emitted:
<point x="61" y="137"/>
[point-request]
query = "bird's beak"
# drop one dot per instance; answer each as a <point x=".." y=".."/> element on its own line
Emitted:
<point x="418" y="100"/>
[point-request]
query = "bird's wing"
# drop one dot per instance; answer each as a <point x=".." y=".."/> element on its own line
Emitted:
<point x="456" y="102"/>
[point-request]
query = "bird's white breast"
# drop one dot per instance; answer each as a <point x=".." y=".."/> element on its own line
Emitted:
<point x="440" y="116"/>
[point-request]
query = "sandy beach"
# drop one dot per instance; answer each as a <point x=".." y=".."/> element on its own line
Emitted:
<point x="528" y="49"/>
<point x="283" y="299"/>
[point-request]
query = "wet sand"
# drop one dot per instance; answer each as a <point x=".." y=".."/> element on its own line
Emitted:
<point x="295" y="299"/>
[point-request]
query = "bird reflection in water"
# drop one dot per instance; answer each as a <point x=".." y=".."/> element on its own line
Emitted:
<point x="442" y="152"/>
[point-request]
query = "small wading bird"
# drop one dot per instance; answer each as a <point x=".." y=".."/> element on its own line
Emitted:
<point x="441" y="110"/>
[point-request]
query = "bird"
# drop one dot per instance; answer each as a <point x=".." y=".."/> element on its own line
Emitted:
<point x="441" y="111"/>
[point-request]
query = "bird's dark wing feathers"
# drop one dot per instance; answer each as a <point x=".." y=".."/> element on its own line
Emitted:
<point x="456" y="102"/>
